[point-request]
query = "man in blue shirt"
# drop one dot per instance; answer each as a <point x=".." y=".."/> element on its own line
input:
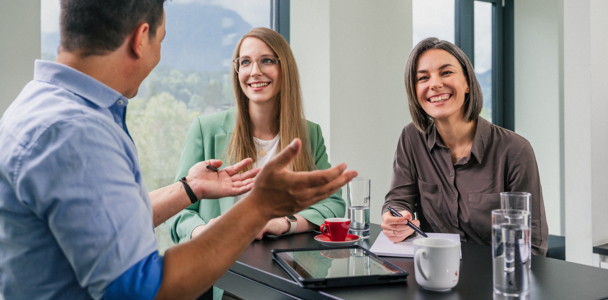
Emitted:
<point x="76" y="221"/>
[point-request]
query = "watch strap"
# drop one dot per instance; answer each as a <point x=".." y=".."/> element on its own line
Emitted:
<point x="293" y="223"/>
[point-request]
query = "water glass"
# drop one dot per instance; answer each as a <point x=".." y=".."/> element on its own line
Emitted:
<point x="511" y="252"/>
<point x="518" y="200"/>
<point x="358" y="201"/>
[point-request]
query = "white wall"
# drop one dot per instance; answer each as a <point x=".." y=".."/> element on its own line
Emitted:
<point x="359" y="96"/>
<point x="309" y="41"/>
<point x="537" y="95"/>
<point x="599" y="121"/>
<point x="577" y="130"/>
<point x="560" y="63"/>
<point x="19" y="47"/>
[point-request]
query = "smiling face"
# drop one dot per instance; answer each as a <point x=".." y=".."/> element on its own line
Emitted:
<point x="259" y="87"/>
<point x="441" y="86"/>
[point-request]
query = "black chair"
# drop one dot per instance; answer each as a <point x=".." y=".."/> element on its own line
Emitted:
<point x="557" y="247"/>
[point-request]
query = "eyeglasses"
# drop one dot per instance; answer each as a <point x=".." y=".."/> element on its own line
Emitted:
<point x="266" y="64"/>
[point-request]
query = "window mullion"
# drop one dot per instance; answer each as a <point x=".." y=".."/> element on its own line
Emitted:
<point x="465" y="28"/>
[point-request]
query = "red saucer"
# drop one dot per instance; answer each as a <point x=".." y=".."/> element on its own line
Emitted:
<point x="324" y="240"/>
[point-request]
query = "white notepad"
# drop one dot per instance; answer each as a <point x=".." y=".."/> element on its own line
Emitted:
<point x="383" y="247"/>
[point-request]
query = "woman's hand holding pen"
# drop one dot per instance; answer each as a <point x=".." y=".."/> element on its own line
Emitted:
<point x="395" y="228"/>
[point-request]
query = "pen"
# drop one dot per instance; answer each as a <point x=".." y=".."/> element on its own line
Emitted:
<point x="410" y="224"/>
<point x="212" y="168"/>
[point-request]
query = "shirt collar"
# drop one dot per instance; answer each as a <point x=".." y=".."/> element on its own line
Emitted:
<point x="482" y="136"/>
<point x="480" y="141"/>
<point x="76" y="82"/>
<point x="432" y="139"/>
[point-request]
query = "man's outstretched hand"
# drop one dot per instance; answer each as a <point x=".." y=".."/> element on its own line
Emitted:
<point x="283" y="192"/>
<point x="277" y="192"/>
<point x="208" y="184"/>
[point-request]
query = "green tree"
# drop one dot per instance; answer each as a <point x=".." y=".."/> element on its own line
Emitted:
<point x="159" y="126"/>
<point x="159" y="129"/>
<point x="213" y="94"/>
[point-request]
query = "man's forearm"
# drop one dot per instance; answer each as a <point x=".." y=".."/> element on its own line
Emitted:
<point x="168" y="201"/>
<point x="192" y="267"/>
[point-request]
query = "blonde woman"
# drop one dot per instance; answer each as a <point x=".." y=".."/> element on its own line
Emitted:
<point x="267" y="117"/>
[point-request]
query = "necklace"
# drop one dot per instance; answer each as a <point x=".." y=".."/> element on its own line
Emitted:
<point x="262" y="152"/>
<point x="456" y="158"/>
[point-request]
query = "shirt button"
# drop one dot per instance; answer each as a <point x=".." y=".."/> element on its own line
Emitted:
<point x="120" y="102"/>
<point x="455" y="198"/>
<point x="451" y="174"/>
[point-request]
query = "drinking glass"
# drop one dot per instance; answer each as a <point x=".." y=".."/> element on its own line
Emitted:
<point x="358" y="201"/>
<point x="510" y="252"/>
<point x="518" y="200"/>
<point x="515" y="200"/>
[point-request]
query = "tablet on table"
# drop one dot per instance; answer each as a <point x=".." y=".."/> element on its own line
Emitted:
<point x="333" y="267"/>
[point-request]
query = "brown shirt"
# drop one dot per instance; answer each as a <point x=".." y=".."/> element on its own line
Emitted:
<point x="459" y="198"/>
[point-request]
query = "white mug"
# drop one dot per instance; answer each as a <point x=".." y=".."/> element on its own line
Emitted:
<point x="437" y="263"/>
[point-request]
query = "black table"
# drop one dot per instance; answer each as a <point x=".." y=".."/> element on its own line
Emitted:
<point x="256" y="276"/>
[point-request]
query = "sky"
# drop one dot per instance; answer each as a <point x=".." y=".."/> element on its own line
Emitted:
<point x="435" y="18"/>
<point x="256" y="13"/>
<point x="431" y="18"/>
<point x="49" y="16"/>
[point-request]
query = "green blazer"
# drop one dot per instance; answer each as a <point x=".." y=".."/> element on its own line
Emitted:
<point x="208" y="138"/>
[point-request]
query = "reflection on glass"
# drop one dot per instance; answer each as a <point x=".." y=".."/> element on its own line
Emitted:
<point x="433" y="18"/>
<point x="332" y="263"/>
<point x="191" y="79"/>
<point x="483" y="54"/>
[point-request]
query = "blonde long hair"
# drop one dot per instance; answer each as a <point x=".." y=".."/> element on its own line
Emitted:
<point x="290" y="120"/>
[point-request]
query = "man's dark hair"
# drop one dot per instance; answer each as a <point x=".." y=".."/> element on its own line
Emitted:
<point x="97" y="27"/>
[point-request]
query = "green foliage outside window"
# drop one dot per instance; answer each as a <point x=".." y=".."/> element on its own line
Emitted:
<point x="159" y="119"/>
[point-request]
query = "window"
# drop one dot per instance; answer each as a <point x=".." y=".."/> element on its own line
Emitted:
<point x="191" y="79"/>
<point x="483" y="54"/>
<point x="433" y="18"/>
<point x="483" y="29"/>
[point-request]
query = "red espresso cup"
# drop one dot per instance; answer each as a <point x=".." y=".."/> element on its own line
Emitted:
<point x="335" y="229"/>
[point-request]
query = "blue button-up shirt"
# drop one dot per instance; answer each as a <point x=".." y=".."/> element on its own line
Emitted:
<point x="74" y="212"/>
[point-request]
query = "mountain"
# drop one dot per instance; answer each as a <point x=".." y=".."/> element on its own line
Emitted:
<point x="199" y="37"/>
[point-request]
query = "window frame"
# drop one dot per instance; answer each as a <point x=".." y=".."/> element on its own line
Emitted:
<point x="503" y="58"/>
<point x="279" y="17"/>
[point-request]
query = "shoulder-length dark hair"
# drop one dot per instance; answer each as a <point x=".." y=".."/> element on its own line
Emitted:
<point x="473" y="101"/>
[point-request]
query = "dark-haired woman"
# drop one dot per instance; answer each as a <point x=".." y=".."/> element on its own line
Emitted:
<point x="451" y="164"/>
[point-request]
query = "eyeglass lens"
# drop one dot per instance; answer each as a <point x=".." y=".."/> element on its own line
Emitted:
<point x="266" y="64"/>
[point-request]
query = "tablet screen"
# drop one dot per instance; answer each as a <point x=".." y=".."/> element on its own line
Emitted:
<point x="333" y="263"/>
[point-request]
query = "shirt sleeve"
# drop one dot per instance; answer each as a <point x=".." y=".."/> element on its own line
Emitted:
<point x="524" y="176"/>
<point x="403" y="191"/>
<point x="140" y="282"/>
<point x="334" y="206"/>
<point x="80" y="178"/>
<point x="183" y="223"/>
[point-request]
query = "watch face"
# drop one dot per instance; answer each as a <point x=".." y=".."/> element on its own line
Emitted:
<point x="291" y="218"/>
